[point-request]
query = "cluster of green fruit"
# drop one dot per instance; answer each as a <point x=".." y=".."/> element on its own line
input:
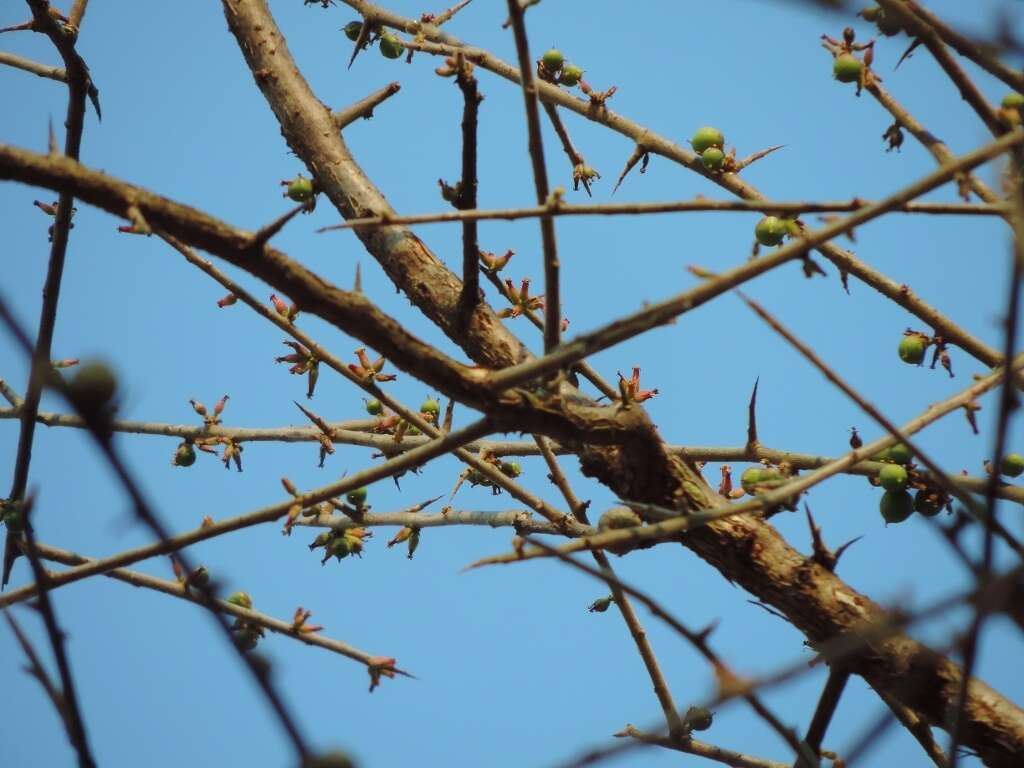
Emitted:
<point x="709" y="143"/>
<point x="897" y="504"/>
<point x="342" y="542"/>
<point x="558" y="71"/>
<point x="390" y="45"/>
<point x="247" y="634"/>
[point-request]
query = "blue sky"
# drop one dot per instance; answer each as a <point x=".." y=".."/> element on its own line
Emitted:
<point x="512" y="669"/>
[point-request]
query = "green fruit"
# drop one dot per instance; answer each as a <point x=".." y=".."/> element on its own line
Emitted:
<point x="300" y="189"/>
<point x="374" y="407"/>
<point x="618" y="517"/>
<point x="431" y="406"/>
<point x="185" y="456"/>
<point x="92" y="387"/>
<point x="846" y="68"/>
<point x="897" y="454"/>
<point x="247" y="637"/>
<point x="707" y="137"/>
<point x="553" y="60"/>
<point x="699" y="718"/>
<point x="750" y="478"/>
<point x="928" y="502"/>
<point x="912" y="349"/>
<point x="333" y="759"/>
<point x="713" y="158"/>
<point x="887" y="26"/>
<point x="896" y="506"/>
<point x="1011" y="465"/>
<point x="571" y="75"/>
<point x="390" y="46"/>
<point x="339" y="547"/>
<point x="356" y="498"/>
<point x="510" y="468"/>
<point x="770" y="230"/>
<point x="893" y="477"/>
<point x="199" y="577"/>
<point x="352" y="30"/>
<point x="241" y="599"/>
<point x="1013" y="100"/>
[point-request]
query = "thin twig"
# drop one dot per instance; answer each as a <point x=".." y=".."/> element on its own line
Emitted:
<point x="364" y="107"/>
<point x="823" y="713"/>
<point x="665" y="311"/>
<point x="692" y="746"/>
<point x="552" y="292"/>
<point x="43" y="70"/>
<point x="471" y="99"/>
<point x="179" y="590"/>
<point x="679" y="206"/>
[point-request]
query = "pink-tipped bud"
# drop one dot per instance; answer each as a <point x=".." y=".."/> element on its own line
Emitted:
<point x="227" y="301"/>
<point x="280" y="306"/>
<point x="198" y="407"/>
<point x="219" y="407"/>
<point x="65" y="363"/>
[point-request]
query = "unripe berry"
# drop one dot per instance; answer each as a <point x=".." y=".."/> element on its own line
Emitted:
<point x="893" y="477"/>
<point x="92" y="387"/>
<point x="333" y="759"/>
<point x="390" y="46"/>
<point x="770" y="230"/>
<point x="912" y="349"/>
<point x="241" y="599"/>
<point x="352" y="30"/>
<point x="928" y="502"/>
<point x="1011" y="465"/>
<point x="713" y="158"/>
<point x="618" y="517"/>
<point x="750" y="478"/>
<point x="898" y="454"/>
<point x="571" y="75"/>
<point x="185" y="456"/>
<point x="846" y="68"/>
<point x="1013" y="100"/>
<point x="707" y="137"/>
<point x="300" y="189"/>
<point x="699" y="718"/>
<point x="374" y="407"/>
<point x="896" y="506"/>
<point x="430" y="406"/>
<point x="510" y="468"/>
<point x="553" y="60"/>
<point x="356" y="498"/>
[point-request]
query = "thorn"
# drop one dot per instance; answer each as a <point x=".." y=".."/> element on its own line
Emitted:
<point x="52" y="139"/>
<point x="752" y="416"/>
<point x="638" y="153"/>
<point x="907" y="53"/>
<point x="357" y="286"/>
<point x="264" y="234"/>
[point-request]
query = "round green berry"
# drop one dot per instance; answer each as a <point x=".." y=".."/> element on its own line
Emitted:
<point x="352" y="30"/>
<point x="357" y="497"/>
<point x="185" y="456"/>
<point x="928" y="502"/>
<point x="713" y="158"/>
<point x="390" y="46"/>
<point x="896" y="506"/>
<point x="912" y="349"/>
<point x="430" y="406"/>
<point x="1011" y="465"/>
<point x="770" y="230"/>
<point x="571" y="75"/>
<point x="93" y="387"/>
<point x="510" y="468"/>
<point x="247" y="639"/>
<point x="374" y="407"/>
<point x="241" y="599"/>
<point x="893" y="477"/>
<point x="553" y="60"/>
<point x="699" y="718"/>
<point x="707" y="137"/>
<point x="897" y="454"/>
<point x="300" y="189"/>
<point x="750" y="478"/>
<point x="846" y="68"/>
<point x="1013" y="100"/>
